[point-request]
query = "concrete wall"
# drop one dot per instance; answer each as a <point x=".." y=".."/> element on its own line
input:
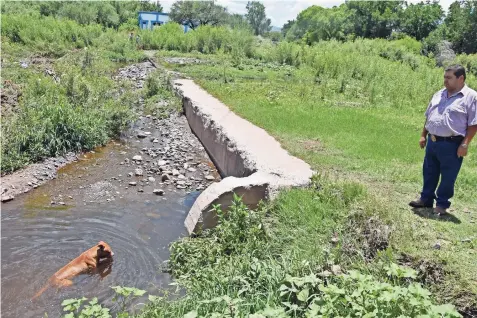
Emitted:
<point x="252" y="163"/>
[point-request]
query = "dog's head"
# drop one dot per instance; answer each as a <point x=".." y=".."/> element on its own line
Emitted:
<point x="104" y="250"/>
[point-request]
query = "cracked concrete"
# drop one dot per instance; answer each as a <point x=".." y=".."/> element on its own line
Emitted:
<point x="253" y="163"/>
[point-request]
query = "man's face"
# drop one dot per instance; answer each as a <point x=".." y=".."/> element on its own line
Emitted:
<point x="451" y="82"/>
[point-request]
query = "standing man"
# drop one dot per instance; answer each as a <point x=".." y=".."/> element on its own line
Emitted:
<point x="451" y="123"/>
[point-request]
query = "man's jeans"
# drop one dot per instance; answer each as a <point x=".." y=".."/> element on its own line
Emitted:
<point x="440" y="161"/>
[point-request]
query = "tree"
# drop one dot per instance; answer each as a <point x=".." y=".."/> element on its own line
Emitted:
<point x="461" y="22"/>
<point x="196" y="13"/>
<point x="257" y="18"/>
<point x="375" y="19"/>
<point x="317" y="23"/>
<point x="287" y="26"/>
<point x="237" y="21"/>
<point x="107" y="15"/>
<point x="419" y="20"/>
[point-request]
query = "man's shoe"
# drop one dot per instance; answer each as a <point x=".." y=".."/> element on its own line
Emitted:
<point x="420" y="204"/>
<point x="440" y="211"/>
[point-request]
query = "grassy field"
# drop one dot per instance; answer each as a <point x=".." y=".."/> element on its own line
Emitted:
<point x="356" y="118"/>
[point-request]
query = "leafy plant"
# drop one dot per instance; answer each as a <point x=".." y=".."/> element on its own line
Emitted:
<point x="92" y="310"/>
<point x="124" y="295"/>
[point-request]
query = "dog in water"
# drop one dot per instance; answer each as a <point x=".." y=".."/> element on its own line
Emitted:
<point x="87" y="262"/>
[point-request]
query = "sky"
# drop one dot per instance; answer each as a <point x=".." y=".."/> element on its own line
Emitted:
<point x="280" y="11"/>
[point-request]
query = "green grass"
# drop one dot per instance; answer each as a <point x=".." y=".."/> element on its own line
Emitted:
<point x="263" y="262"/>
<point x="365" y="130"/>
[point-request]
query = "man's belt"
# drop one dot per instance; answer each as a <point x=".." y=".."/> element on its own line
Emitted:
<point x="451" y="138"/>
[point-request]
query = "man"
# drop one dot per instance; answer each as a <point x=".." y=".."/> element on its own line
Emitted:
<point x="451" y="123"/>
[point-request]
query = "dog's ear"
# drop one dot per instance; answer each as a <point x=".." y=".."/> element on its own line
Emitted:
<point x="101" y="246"/>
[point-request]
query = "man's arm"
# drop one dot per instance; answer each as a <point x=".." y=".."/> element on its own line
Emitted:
<point x="471" y="131"/>
<point x="422" y="141"/>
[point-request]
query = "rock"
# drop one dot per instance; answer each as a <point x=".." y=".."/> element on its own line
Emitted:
<point x="137" y="158"/>
<point x="468" y="240"/>
<point x="191" y="169"/>
<point x="158" y="191"/>
<point x="336" y="269"/>
<point x="181" y="176"/>
<point x="61" y="203"/>
<point x="165" y="177"/>
<point x="141" y="134"/>
<point x="209" y="178"/>
<point x="138" y="172"/>
<point x="140" y="190"/>
<point x="151" y="179"/>
<point x="180" y="182"/>
<point x="437" y="246"/>
<point x="155" y="141"/>
<point x="175" y="172"/>
<point x="132" y="183"/>
<point x="7" y="198"/>
<point x="162" y="162"/>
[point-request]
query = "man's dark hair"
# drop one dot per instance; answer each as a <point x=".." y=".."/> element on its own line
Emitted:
<point x="457" y="69"/>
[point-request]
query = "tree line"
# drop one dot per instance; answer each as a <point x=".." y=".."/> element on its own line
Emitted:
<point x="424" y="21"/>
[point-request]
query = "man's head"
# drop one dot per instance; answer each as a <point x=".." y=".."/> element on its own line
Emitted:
<point x="454" y="77"/>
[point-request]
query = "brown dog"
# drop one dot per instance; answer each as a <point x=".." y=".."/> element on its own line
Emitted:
<point x="87" y="262"/>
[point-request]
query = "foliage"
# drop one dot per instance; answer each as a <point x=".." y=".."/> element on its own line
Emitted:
<point x="358" y="295"/>
<point x="418" y="20"/>
<point x="92" y="310"/>
<point x="76" y="109"/>
<point x="257" y="274"/>
<point x="375" y="19"/>
<point x="316" y="24"/>
<point x="238" y="21"/>
<point x="106" y="13"/>
<point x="205" y="39"/>
<point x="123" y="295"/>
<point x="257" y="18"/>
<point x="461" y="22"/>
<point x="197" y="13"/>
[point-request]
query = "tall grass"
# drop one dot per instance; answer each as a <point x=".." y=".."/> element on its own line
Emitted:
<point x="205" y="39"/>
<point x="48" y="35"/>
<point x="81" y="111"/>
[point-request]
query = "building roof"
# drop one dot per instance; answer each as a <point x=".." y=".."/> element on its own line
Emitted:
<point x="154" y="12"/>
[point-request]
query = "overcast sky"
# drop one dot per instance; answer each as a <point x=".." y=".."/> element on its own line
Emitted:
<point x="280" y="11"/>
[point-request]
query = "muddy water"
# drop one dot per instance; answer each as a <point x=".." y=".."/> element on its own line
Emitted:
<point x="89" y="201"/>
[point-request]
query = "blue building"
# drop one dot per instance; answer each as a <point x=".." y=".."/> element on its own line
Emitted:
<point x="150" y="20"/>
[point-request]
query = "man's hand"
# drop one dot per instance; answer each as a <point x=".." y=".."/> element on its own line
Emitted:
<point x="461" y="151"/>
<point x="422" y="142"/>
